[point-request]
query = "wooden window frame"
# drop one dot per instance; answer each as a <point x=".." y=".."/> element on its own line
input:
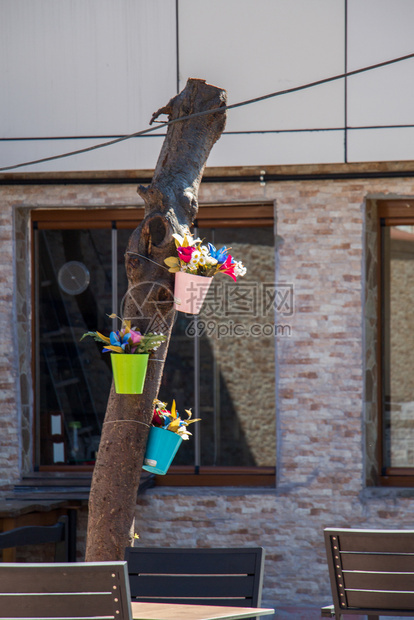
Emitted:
<point x="390" y="213"/>
<point x="213" y="215"/>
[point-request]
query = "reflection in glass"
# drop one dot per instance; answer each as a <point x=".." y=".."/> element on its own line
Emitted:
<point x="73" y="378"/>
<point x="398" y="345"/>
<point x="235" y="373"/>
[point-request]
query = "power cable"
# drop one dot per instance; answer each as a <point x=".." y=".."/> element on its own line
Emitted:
<point x="225" y="133"/>
<point x="213" y="111"/>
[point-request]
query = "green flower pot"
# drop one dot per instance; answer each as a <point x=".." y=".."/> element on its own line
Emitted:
<point x="129" y="372"/>
<point x="161" y="448"/>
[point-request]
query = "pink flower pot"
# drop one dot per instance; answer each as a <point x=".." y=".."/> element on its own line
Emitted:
<point x="190" y="292"/>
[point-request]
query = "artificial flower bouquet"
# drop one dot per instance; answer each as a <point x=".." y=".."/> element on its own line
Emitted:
<point x="171" y="420"/>
<point x="167" y="431"/>
<point x="203" y="260"/>
<point x="129" y="370"/>
<point x="128" y="339"/>
<point x="195" y="266"/>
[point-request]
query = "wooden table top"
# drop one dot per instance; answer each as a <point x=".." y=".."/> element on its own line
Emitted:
<point x="166" y="611"/>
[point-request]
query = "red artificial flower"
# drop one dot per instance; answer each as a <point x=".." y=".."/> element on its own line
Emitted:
<point x="157" y="419"/>
<point x="228" y="267"/>
<point x="185" y="253"/>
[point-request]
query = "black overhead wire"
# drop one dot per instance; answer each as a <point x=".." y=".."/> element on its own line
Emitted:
<point x="223" y="109"/>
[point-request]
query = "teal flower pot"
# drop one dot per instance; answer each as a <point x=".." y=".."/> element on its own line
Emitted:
<point x="162" y="447"/>
<point x="129" y="372"/>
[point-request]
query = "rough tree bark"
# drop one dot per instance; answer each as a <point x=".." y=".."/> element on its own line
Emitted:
<point x="170" y="205"/>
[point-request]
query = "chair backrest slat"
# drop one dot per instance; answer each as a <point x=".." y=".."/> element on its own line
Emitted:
<point x="227" y="577"/>
<point x="378" y="562"/>
<point x="57" y="605"/>
<point x="190" y="561"/>
<point x="380" y="541"/>
<point x="374" y="581"/>
<point x="65" y="590"/>
<point x="202" y="586"/>
<point x="371" y="571"/>
<point x="386" y="603"/>
<point x="40" y="534"/>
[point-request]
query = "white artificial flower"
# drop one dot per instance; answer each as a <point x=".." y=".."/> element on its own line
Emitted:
<point x="183" y="432"/>
<point x="187" y="236"/>
<point x="179" y="238"/>
<point x="239" y="269"/>
<point x="211" y="260"/>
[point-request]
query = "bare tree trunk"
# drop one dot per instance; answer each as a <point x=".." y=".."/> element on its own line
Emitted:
<point x="170" y="205"/>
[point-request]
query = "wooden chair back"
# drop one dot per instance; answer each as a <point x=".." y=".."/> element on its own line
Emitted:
<point x="228" y="577"/>
<point x="371" y="572"/>
<point x="67" y="591"/>
<point x="40" y="534"/>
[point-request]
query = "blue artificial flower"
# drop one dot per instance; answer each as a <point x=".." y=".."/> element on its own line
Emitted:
<point x="219" y="255"/>
<point x="119" y="339"/>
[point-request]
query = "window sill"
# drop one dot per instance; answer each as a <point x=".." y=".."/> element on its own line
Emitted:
<point x="182" y="475"/>
<point x="69" y="483"/>
<point x="386" y="492"/>
<point x="54" y="479"/>
<point x="397" y="477"/>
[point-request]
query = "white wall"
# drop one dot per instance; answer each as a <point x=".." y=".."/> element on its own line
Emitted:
<point x="379" y="30"/>
<point x="84" y="68"/>
<point x="78" y="68"/>
<point x="257" y="47"/>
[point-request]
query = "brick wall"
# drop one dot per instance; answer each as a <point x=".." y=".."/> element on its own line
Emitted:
<point x="324" y="415"/>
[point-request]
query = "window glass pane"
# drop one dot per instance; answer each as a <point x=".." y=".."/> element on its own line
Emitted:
<point x="178" y="382"/>
<point x="74" y="295"/>
<point x="227" y="351"/>
<point x="236" y="358"/>
<point x="123" y="236"/>
<point x="398" y="345"/>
